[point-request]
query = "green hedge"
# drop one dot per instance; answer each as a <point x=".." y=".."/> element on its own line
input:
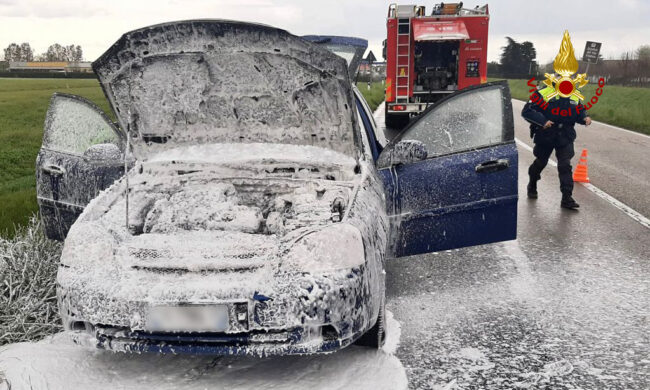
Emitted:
<point x="48" y="75"/>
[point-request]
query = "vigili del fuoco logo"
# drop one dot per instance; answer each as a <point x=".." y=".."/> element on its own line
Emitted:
<point x="565" y="65"/>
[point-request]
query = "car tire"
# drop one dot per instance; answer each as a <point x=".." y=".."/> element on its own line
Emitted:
<point x="375" y="337"/>
<point x="396" y="122"/>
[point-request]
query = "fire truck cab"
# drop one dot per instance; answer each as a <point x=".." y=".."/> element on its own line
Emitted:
<point x="431" y="56"/>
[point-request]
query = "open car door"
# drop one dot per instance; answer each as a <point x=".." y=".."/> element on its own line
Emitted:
<point x="82" y="154"/>
<point x="350" y="48"/>
<point x="451" y="175"/>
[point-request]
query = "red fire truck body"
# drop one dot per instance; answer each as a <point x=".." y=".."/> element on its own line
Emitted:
<point x="428" y="57"/>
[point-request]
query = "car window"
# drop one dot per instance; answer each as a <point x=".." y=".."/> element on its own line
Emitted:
<point x="468" y="121"/>
<point x="72" y="126"/>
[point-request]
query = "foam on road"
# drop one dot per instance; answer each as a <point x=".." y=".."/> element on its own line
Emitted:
<point x="58" y="363"/>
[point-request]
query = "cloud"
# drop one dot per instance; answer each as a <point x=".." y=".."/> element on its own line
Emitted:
<point x="95" y="25"/>
<point x="51" y="9"/>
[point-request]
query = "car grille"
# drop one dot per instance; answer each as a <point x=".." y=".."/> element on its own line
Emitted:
<point x="201" y="252"/>
<point x="184" y="338"/>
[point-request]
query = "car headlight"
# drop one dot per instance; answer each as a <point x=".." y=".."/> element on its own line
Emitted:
<point x="338" y="246"/>
<point x="87" y="244"/>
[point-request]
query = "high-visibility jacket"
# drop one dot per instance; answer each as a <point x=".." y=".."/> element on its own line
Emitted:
<point x="547" y="91"/>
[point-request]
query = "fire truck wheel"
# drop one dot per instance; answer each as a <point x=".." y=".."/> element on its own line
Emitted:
<point x="396" y="121"/>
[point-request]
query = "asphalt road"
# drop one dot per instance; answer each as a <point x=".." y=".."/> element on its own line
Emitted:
<point x="619" y="161"/>
<point x="565" y="306"/>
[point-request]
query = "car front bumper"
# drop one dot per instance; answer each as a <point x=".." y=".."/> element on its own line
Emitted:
<point x="298" y="314"/>
<point x="295" y="341"/>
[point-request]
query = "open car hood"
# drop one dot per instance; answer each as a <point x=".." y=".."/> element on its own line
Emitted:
<point x="213" y="81"/>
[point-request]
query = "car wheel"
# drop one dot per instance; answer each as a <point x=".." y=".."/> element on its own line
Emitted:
<point x="375" y="337"/>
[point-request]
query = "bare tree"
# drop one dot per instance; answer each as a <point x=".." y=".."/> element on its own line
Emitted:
<point x="643" y="63"/>
<point x="78" y="54"/>
<point x="12" y="52"/>
<point x="26" y="52"/>
<point x="54" y="53"/>
<point x="15" y="52"/>
<point x="69" y="53"/>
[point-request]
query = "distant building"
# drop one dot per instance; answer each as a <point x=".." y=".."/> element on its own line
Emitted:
<point x="377" y="67"/>
<point x="50" y="66"/>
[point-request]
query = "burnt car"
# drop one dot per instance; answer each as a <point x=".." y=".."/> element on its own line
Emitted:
<point x="259" y="207"/>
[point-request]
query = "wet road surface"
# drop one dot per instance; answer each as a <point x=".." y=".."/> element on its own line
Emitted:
<point x="618" y="160"/>
<point x="565" y="306"/>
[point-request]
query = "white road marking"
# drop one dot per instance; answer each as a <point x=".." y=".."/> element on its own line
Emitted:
<point x="619" y="205"/>
<point x="530" y="149"/>
<point x="379" y="112"/>
<point x="635" y="215"/>
<point x="621" y="129"/>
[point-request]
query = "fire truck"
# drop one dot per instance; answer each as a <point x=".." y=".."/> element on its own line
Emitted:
<point x="431" y="56"/>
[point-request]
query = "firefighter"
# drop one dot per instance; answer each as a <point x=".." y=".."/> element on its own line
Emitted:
<point x="552" y="128"/>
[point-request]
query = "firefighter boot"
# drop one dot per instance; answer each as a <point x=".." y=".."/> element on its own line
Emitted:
<point x="532" y="189"/>
<point x="568" y="202"/>
<point x="534" y="174"/>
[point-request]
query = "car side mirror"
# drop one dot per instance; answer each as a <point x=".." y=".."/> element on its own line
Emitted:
<point x="103" y="153"/>
<point x="403" y="152"/>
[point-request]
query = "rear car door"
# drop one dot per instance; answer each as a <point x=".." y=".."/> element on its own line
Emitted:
<point x="464" y="192"/>
<point x="82" y="153"/>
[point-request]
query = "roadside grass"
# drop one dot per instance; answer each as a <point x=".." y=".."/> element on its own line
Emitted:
<point x="374" y="96"/>
<point x="23" y="104"/>
<point x="625" y="107"/>
<point x="28" y="264"/>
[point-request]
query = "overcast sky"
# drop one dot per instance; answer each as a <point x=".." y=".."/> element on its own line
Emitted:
<point x="621" y="25"/>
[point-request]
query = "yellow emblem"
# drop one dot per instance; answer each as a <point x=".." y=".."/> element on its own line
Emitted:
<point x="566" y="65"/>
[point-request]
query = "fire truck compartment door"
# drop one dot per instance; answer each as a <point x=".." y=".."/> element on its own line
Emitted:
<point x="350" y="48"/>
<point x="439" y="30"/>
<point x="462" y="190"/>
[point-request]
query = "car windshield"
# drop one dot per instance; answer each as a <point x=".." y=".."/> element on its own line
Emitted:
<point x="225" y="82"/>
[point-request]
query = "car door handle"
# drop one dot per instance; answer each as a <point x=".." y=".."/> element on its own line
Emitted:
<point x="493" y="166"/>
<point x="53" y="170"/>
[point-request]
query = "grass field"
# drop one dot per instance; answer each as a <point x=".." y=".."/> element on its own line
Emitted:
<point x="374" y="96"/>
<point x="23" y="103"/>
<point x="620" y="106"/>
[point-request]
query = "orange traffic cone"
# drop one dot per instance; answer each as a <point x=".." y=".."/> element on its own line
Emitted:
<point x="580" y="173"/>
